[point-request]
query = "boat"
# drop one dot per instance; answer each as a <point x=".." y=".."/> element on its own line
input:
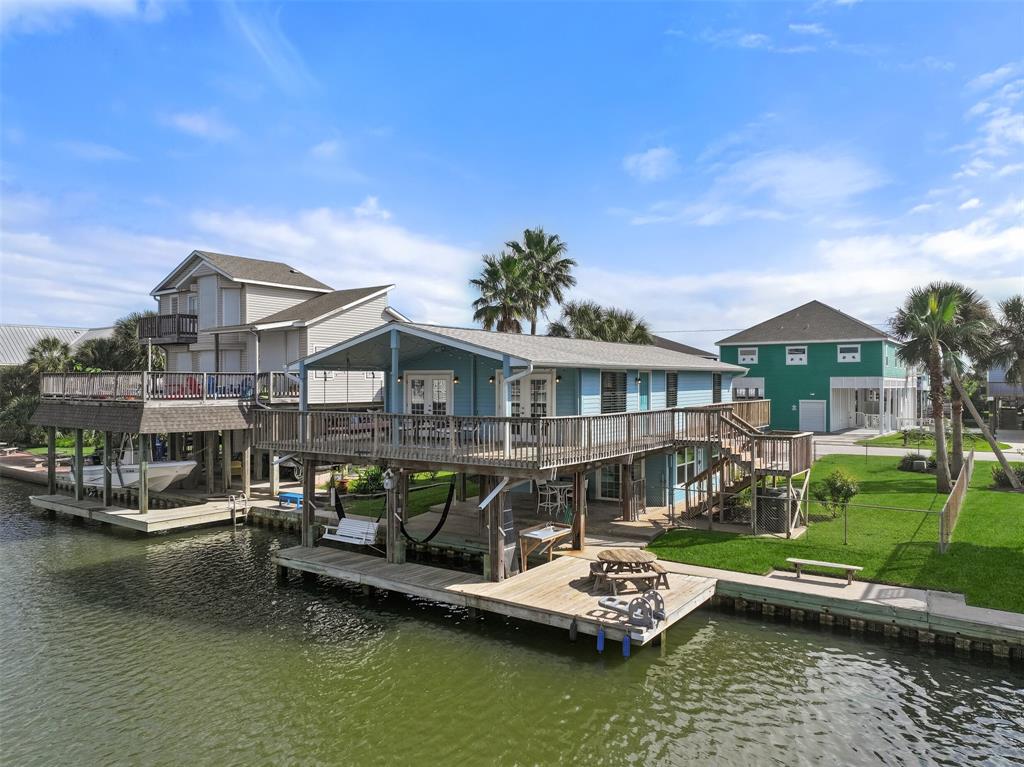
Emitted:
<point x="125" y="471"/>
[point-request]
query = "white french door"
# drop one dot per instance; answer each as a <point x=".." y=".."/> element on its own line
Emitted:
<point x="531" y="397"/>
<point x="428" y="392"/>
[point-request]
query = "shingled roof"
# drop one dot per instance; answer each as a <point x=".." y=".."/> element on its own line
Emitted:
<point x="814" y="321"/>
<point x="323" y="305"/>
<point x="668" y="343"/>
<point x="256" y="270"/>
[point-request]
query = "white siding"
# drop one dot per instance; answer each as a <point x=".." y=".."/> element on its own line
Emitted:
<point x="261" y="301"/>
<point x="355" y="386"/>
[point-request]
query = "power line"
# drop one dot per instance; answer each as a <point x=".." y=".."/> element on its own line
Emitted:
<point x="879" y="325"/>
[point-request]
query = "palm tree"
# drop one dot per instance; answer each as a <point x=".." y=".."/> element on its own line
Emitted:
<point x="504" y="286"/>
<point x="550" y="270"/>
<point x="132" y="355"/>
<point x="1008" y="340"/>
<point x="589" y="320"/>
<point x="49" y="355"/>
<point x="921" y="324"/>
<point x="969" y="335"/>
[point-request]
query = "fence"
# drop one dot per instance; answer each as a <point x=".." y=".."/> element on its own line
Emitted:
<point x="954" y="503"/>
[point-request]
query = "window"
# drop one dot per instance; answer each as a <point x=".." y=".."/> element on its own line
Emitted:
<point x="748" y="356"/>
<point x="747" y="392"/>
<point x="173" y="305"/>
<point x="796" y="355"/>
<point x="716" y="387"/>
<point x="193" y="303"/>
<point x="671" y="389"/>
<point x="686" y="465"/>
<point x="613" y="392"/>
<point x="231" y="307"/>
<point x="850" y="353"/>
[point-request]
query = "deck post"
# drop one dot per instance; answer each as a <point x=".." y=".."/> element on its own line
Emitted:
<point x="210" y="439"/>
<point x="258" y="473"/>
<point x="506" y="373"/>
<point x="496" y="537"/>
<point x="144" y="447"/>
<point x="108" y="479"/>
<point x="275" y="475"/>
<point x="246" y="463"/>
<point x="225" y="440"/>
<point x="79" y="466"/>
<point x="51" y="460"/>
<point x="460" y="487"/>
<point x="626" y="491"/>
<point x="753" y="486"/>
<point x="393" y="510"/>
<point x="579" y="516"/>
<point x="308" y="499"/>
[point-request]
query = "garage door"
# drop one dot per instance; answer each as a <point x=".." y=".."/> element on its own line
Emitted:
<point x="812" y="415"/>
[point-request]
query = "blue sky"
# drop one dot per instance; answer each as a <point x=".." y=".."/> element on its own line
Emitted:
<point x="709" y="165"/>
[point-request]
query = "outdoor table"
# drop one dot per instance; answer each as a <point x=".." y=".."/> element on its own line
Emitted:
<point x="539" y="537"/>
<point x="624" y="561"/>
<point x="562" y="487"/>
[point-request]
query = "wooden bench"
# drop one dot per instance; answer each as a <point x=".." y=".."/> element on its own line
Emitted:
<point x="358" y="532"/>
<point x="850" y="569"/>
<point x="642" y="581"/>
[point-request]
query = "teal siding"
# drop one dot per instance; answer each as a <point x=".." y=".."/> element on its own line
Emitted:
<point x="632" y="392"/>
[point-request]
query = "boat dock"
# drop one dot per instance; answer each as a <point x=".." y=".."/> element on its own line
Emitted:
<point x="153" y="521"/>
<point x="559" y="593"/>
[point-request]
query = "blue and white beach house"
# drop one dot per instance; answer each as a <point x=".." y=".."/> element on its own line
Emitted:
<point x="632" y="424"/>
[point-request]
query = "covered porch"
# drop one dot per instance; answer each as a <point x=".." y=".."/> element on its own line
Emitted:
<point x="885" y="404"/>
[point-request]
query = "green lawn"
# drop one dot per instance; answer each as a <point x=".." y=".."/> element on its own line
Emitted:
<point x="927" y="444"/>
<point x="419" y="500"/>
<point x="985" y="562"/>
<point x="86" y="450"/>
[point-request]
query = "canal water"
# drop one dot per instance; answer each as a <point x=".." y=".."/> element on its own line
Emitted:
<point x="182" y="650"/>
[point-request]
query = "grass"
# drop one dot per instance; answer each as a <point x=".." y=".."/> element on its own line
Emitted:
<point x="985" y="561"/>
<point x="86" y="450"/>
<point x="420" y="501"/>
<point x="928" y="443"/>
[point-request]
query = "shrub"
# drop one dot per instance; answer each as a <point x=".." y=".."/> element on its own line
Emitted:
<point x="908" y="460"/>
<point x="368" y="481"/>
<point x="836" y="491"/>
<point x="999" y="478"/>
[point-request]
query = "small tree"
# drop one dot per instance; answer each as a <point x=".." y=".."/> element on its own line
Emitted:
<point x="835" y="494"/>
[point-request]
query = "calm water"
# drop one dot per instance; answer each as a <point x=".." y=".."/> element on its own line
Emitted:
<point x="181" y="650"/>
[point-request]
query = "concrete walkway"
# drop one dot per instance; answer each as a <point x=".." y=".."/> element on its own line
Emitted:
<point x="845" y="443"/>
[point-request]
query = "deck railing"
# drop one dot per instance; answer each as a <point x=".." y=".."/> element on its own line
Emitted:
<point x="278" y="386"/>
<point x="530" y="443"/>
<point x="147" y="386"/>
<point x="177" y="327"/>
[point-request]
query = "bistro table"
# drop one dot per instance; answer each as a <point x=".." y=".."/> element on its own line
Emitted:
<point x="616" y="565"/>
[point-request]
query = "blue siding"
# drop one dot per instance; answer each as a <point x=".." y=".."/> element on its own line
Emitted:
<point x="658" y="390"/>
<point x="590" y="392"/>
<point x="567" y="392"/>
<point x="726" y="387"/>
<point x="632" y="391"/>
<point x="695" y="388"/>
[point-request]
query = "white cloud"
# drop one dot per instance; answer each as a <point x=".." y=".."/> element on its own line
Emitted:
<point x="261" y="31"/>
<point x="87" y="150"/>
<point x="971" y="204"/>
<point x="204" y="125"/>
<point x="54" y="15"/>
<point x="1010" y="169"/>
<point x="370" y="208"/>
<point x="808" y="29"/>
<point x="326" y="150"/>
<point x="756" y="41"/>
<point x="652" y="165"/>
<point x="990" y="79"/>
<point x="922" y="208"/>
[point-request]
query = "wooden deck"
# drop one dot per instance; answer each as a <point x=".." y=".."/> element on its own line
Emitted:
<point x="156" y="521"/>
<point x="553" y="594"/>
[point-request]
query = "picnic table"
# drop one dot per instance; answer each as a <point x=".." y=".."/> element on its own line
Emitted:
<point x="539" y="537"/>
<point x="639" y="566"/>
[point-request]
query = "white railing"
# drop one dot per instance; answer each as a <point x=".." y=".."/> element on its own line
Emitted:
<point x="155" y="386"/>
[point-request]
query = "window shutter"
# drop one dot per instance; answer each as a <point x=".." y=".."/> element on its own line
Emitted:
<point x="613" y="392"/>
<point x="671" y="389"/>
<point x="716" y="387"/>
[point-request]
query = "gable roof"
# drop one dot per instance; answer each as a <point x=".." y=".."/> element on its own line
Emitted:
<point x="814" y="321"/>
<point x="543" y="351"/>
<point x="668" y="343"/>
<point x="17" y="340"/>
<point x="255" y="270"/>
<point x="322" y="306"/>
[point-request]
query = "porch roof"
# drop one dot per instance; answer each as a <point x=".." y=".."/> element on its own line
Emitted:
<point x="371" y="350"/>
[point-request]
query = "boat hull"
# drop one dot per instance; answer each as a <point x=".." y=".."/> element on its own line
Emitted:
<point x="161" y="474"/>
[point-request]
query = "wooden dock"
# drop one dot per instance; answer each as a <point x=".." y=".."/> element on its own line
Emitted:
<point x="559" y="593"/>
<point x="154" y="521"/>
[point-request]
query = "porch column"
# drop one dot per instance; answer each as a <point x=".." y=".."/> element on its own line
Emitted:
<point x="79" y="466"/>
<point x="460" y="486"/>
<point x="51" y="460"/>
<point x="144" y="447"/>
<point x="393" y="373"/>
<point x="226" y="460"/>
<point x="670" y="485"/>
<point x="626" y="491"/>
<point x="881" y="407"/>
<point x="496" y="536"/>
<point x="108" y="480"/>
<point x="274" y="470"/>
<point x="506" y="373"/>
<point x="246" y="438"/>
<point x="579" y="516"/>
<point x="308" y="533"/>
<point x="258" y="473"/>
<point x="216" y="352"/>
<point x="210" y="438"/>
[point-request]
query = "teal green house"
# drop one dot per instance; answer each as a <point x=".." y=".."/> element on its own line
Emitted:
<point x="824" y="371"/>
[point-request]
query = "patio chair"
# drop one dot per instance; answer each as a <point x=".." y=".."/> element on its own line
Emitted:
<point x="548" y="501"/>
